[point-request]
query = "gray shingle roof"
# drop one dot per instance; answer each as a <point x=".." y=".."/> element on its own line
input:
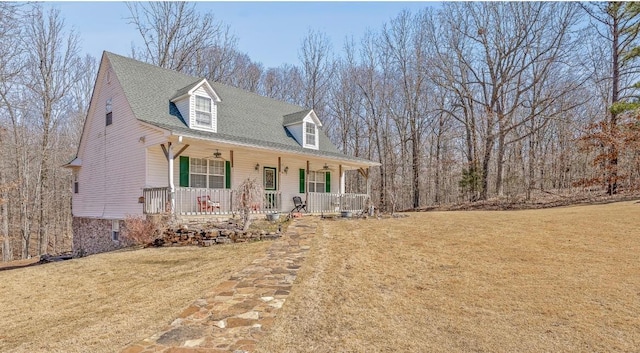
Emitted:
<point x="295" y="117"/>
<point x="181" y="92"/>
<point x="243" y="117"/>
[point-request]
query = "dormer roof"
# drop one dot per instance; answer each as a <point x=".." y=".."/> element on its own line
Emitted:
<point x="298" y="117"/>
<point x="189" y="89"/>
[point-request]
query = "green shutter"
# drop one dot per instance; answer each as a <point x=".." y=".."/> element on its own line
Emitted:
<point x="184" y="171"/>
<point x="302" y="173"/>
<point x="227" y="174"/>
<point x="327" y="184"/>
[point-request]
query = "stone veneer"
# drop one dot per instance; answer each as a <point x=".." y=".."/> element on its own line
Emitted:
<point x="93" y="235"/>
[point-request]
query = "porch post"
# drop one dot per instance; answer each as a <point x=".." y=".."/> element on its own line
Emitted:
<point x="342" y="179"/>
<point x="172" y="187"/>
<point x="368" y="181"/>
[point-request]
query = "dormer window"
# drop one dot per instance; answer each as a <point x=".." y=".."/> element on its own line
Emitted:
<point x="197" y="106"/>
<point x="203" y="111"/>
<point x="303" y="127"/>
<point x="310" y="134"/>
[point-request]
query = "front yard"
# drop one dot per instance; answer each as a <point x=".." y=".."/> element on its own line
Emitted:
<point x="103" y="302"/>
<point x="553" y="280"/>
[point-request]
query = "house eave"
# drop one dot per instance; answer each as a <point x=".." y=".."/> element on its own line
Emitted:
<point x="75" y="163"/>
<point x="346" y="159"/>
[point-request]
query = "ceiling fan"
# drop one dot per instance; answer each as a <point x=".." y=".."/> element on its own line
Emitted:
<point x="216" y="155"/>
<point x="325" y="168"/>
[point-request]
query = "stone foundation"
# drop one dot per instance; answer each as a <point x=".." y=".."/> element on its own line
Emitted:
<point x="93" y="235"/>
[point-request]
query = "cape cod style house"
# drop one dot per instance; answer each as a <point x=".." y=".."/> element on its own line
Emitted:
<point x="159" y="141"/>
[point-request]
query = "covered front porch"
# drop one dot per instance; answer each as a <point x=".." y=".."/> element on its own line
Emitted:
<point x="187" y="176"/>
<point x="203" y="201"/>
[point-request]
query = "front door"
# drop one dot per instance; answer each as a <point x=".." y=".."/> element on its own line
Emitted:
<point x="270" y="186"/>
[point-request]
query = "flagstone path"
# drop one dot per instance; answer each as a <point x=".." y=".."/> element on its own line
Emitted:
<point x="235" y="314"/>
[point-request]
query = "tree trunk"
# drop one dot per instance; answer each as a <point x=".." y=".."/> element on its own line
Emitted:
<point x="612" y="178"/>
<point x="7" y="251"/>
<point x="42" y="220"/>
<point x="500" y="165"/>
<point x="488" y="146"/>
<point x="415" y="151"/>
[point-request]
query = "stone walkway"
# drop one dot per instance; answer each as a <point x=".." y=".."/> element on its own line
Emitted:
<point x="238" y="312"/>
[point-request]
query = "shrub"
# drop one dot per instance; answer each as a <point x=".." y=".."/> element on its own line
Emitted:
<point x="139" y="230"/>
<point x="249" y="194"/>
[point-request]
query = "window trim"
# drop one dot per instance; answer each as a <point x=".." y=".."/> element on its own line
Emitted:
<point x="115" y="230"/>
<point x="108" y="107"/>
<point x="313" y="134"/>
<point x="208" y="173"/>
<point x="196" y="111"/>
<point x="315" y="181"/>
<point x="270" y="178"/>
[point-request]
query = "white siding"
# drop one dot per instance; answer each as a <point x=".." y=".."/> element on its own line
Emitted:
<point x="183" y="108"/>
<point x="200" y="91"/>
<point x="296" y="131"/>
<point x="157" y="168"/>
<point x="112" y="175"/>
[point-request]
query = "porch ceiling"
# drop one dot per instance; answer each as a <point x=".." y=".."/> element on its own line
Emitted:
<point x="313" y="156"/>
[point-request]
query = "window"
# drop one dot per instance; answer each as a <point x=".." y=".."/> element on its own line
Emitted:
<point x="115" y="230"/>
<point x="310" y="134"/>
<point x="108" y="109"/>
<point x="203" y="111"/>
<point x="316" y="181"/>
<point x="206" y="173"/>
<point x="76" y="188"/>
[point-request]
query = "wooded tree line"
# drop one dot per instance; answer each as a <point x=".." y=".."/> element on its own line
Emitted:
<point x="465" y="102"/>
<point x="44" y="91"/>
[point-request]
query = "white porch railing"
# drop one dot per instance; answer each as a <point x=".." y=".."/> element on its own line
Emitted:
<point x="203" y="201"/>
<point x="318" y="202"/>
<point x="156" y="200"/>
<point x="196" y="201"/>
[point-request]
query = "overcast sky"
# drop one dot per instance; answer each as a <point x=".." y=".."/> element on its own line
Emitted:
<point x="269" y="32"/>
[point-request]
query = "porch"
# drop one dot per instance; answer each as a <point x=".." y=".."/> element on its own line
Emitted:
<point x="205" y="201"/>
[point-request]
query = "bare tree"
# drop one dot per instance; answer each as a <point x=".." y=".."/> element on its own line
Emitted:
<point x="317" y="67"/>
<point x="174" y="33"/>
<point x="510" y="51"/>
<point x="284" y="83"/>
<point x="52" y="61"/>
<point x="403" y="40"/>
<point x="9" y="69"/>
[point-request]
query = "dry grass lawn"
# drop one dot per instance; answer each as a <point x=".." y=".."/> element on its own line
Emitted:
<point x="552" y="280"/>
<point x="103" y="302"/>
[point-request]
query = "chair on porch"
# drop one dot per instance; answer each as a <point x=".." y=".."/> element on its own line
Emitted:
<point x="299" y="205"/>
<point x="206" y="205"/>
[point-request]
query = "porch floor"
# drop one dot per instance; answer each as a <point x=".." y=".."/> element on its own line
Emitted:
<point x="237" y="313"/>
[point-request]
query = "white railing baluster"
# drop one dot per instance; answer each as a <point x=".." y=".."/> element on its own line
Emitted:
<point x="221" y="201"/>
